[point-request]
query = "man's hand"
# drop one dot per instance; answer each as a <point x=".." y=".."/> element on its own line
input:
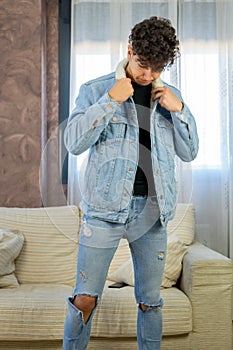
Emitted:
<point x="167" y="99"/>
<point x="122" y="90"/>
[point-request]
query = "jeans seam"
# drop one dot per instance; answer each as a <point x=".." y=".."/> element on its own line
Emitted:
<point x="137" y="286"/>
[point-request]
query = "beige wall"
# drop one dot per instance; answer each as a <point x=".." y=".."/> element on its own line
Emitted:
<point x="28" y="96"/>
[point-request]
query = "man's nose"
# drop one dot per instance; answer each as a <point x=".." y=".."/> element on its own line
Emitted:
<point x="148" y="74"/>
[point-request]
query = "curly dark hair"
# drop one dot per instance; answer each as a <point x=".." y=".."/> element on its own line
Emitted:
<point x="155" y="43"/>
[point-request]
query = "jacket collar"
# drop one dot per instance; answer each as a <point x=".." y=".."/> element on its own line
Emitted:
<point x="120" y="73"/>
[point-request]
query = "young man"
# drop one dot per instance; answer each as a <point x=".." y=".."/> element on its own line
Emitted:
<point x="133" y="125"/>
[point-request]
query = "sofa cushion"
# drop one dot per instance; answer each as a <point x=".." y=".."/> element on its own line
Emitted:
<point x="49" y="252"/>
<point x="175" y="253"/>
<point x="182" y="225"/>
<point x="117" y="313"/>
<point x="10" y="246"/>
<point x="33" y="311"/>
<point x="180" y="233"/>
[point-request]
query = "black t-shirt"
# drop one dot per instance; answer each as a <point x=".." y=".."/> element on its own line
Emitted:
<point x="144" y="183"/>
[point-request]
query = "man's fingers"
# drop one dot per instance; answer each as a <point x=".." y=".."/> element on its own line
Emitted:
<point x="167" y="99"/>
<point x="156" y="94"/>
<point x="158" y="89"/>
<point x="122" y="90"/>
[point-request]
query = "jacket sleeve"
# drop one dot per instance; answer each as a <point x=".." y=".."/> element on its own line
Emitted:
<point x="185" y="134"/>
<point x="87" y="120"/>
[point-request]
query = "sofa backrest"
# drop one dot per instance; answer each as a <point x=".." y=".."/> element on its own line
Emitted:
<point x="49" y="253"/>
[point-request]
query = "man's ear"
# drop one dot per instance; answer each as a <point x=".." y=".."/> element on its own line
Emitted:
<point x="129" y="52"/>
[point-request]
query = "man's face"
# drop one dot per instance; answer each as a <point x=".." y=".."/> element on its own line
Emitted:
<point x="137" y="72"/>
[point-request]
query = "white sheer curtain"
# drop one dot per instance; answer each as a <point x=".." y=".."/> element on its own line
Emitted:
<point x="204" y="74"/>
<point x="206" y="33"/>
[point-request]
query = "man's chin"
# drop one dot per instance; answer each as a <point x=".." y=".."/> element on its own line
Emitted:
<point x="143" y="82"/>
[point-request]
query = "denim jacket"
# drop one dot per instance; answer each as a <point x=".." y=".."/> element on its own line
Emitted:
<point x="110" y="131"/>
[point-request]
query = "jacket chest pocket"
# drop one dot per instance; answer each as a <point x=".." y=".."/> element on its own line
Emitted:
<point x="116" y="128"/>
<point x="165" y="133"/>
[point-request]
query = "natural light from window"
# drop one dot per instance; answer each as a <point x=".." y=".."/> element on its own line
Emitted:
<point x="201" y="89"/>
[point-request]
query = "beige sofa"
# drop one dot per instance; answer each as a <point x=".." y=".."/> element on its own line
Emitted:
<point x="38" y="252"/>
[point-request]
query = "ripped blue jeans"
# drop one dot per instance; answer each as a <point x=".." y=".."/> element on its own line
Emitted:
<point x="148" y="249"/>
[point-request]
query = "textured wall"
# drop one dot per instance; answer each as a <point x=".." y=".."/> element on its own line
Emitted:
<point x="28" y="27"/>
<point x="20" y="102"/>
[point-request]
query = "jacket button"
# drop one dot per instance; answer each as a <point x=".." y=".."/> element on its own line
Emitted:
<point x="161" y="197"/>
<point x="114" y="119"/>
<point x="157" y="171"/>
<point x="130" y="169"/>
<point x="109" y="105"/>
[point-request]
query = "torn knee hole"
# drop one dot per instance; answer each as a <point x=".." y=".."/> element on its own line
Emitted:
<point x="149" y="307"/>
<point x="145" y="307"/>
<point x="85" y="303"/>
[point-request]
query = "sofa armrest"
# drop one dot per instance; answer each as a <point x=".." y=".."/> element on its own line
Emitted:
<point x="207" y="279"/>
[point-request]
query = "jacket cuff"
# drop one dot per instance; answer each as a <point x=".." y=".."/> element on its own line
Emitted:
<point x="183" y="115"/>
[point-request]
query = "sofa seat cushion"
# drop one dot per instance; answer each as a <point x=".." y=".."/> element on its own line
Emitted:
<point x="117" y="313"/>
<point x="33" y="311"/>
<point x="38" y="311"/>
